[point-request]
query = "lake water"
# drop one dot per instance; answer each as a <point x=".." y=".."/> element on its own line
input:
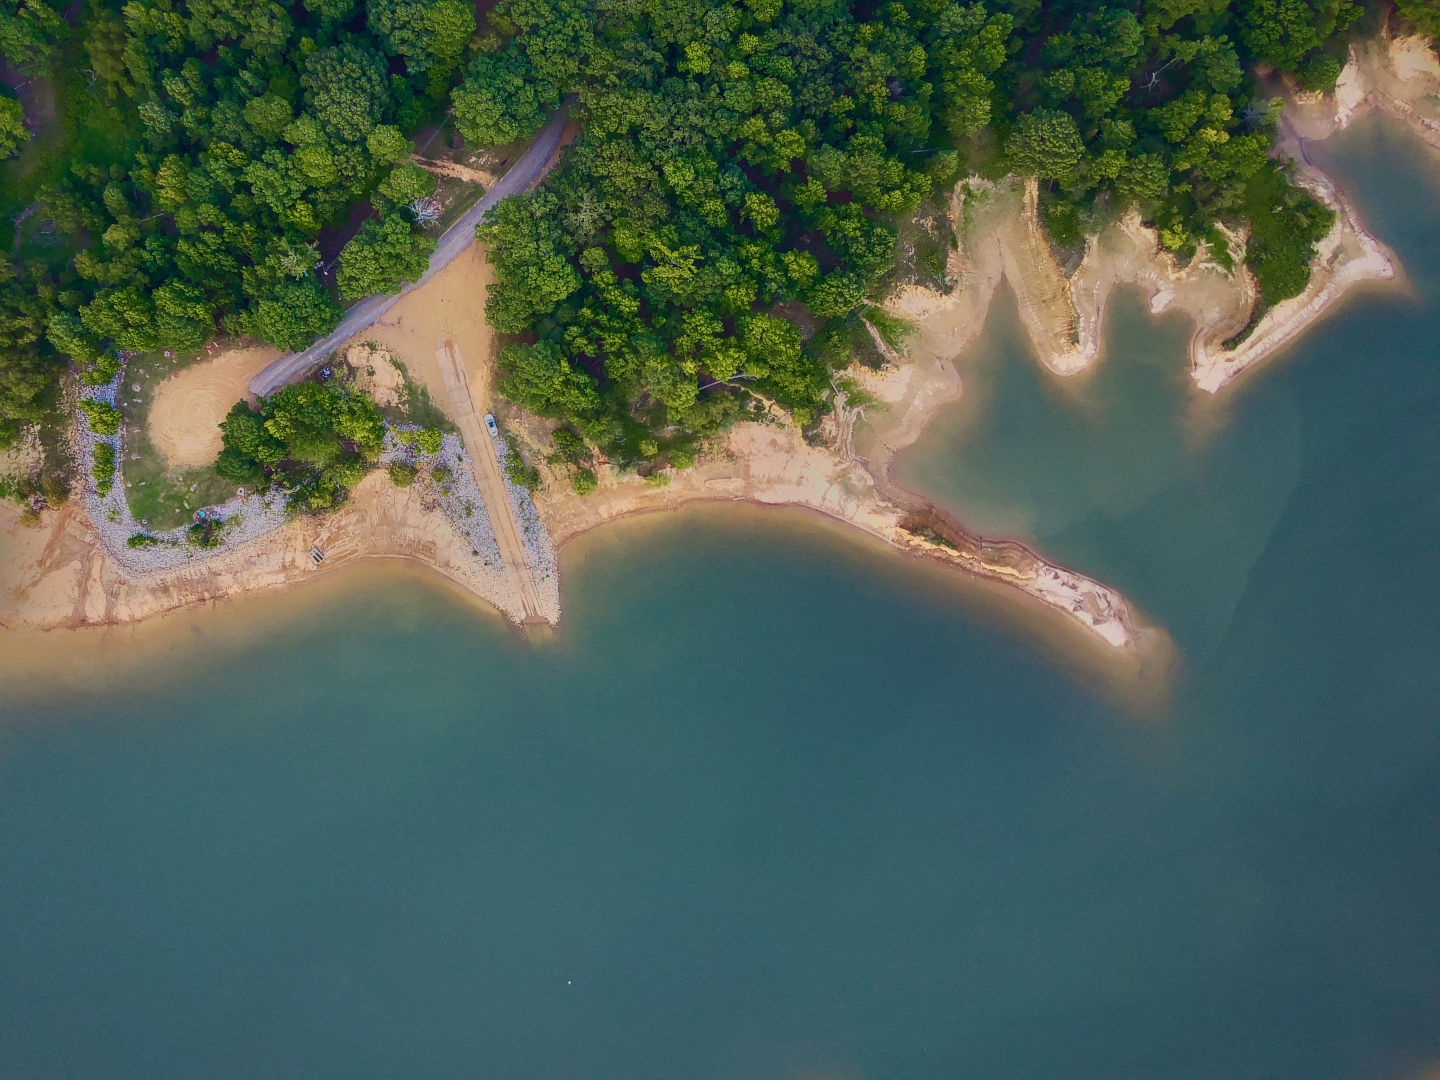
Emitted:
<point x="772" y="803"/>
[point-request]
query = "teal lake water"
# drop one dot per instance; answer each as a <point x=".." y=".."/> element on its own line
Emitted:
<point x="775" y="804"/>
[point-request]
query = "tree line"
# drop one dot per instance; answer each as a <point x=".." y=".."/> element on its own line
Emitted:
<point x="730" y="208"/>
<point x="713" y="238"/>
<point x="202" y="148"/>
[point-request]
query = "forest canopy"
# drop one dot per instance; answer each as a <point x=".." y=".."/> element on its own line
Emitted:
<point x="731" y="205"/>
<point x="715" y="235"/>
<point x="200" y="151"/>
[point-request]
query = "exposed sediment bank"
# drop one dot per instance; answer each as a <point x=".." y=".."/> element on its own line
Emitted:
<point x="60" y="573"/>
<point x="1063" y="314"/>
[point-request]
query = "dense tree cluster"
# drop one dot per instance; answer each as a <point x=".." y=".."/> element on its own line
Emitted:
<point x="1156" y="105"/>
<point x="712" y="239"/>
<point x="312" y="439"/>
<point x="1423" y="16"/>
<point x="733" y="197"/>
<point x="208" y="146"/>
<point x="736" y="164"/>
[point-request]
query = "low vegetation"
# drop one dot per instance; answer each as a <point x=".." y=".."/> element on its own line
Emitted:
<point x="312" y="440"/>
<point x="102" y="470"/>
<point x="104" y="418"/>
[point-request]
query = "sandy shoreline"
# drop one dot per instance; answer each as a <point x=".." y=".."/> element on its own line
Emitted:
<point x="58" y="575"/>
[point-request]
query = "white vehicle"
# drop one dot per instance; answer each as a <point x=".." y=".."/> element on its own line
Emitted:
<point x="490" y="425"/>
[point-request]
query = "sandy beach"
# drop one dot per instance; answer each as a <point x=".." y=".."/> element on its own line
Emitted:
<point x="57" y="574"/>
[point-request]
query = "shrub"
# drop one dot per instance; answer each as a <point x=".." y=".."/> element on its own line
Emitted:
<point x="518" y="473"/>
<point x="55" y="490"/>
<point x="428" y="440"/>
<point x="104" y="419"/>
<point x="402" y="474"/>
<point x="102" y="371"/>
<point x="205" y="534"/>
<point x="142" y="540"/>
<point x="103" y="469"/>
<point x="440" y="474"/>
<point x="584" y="481"/>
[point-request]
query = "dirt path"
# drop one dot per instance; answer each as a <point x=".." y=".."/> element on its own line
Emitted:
<point x="184" y="421"/>
<point x="466" y="414"/>
<point x="455" y="171"/>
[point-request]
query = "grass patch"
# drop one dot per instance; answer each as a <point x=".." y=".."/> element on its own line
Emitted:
<point x="417" y="407"/>
<point x="157" y="493"/>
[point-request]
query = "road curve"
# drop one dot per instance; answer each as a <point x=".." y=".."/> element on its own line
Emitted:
<point x="532" y="165"/>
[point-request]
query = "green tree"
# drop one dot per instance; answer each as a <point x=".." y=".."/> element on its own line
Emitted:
<point x="1045" y="143"/>
<point x="184" y="317"/>
<point x="405" y="183"/>
<point x="540" y="378"/>
<point x="383" y="257"/>
<point x="1423" y="15"/>
<point x="125" y="316"/>
<point x="1283" y="33"/>
<point x="348" y="88"/>
<point x="12" y="127"/>
<point x="30" y="33"/>
<point x="294" y="314"/>
<point x="500" y="100"/>
<point x="533" y="272"/>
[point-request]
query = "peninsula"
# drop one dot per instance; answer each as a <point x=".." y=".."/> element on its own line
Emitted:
<point x="629" y="363"/>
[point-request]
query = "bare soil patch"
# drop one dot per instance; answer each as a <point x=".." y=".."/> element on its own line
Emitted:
<point x="184" y="421"/>
<point x="451" y="307"/>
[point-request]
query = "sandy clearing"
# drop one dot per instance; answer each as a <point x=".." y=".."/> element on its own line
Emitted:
<point x="450" y="306"/>
<point x="184" y="421"/>
<point x="376" y="375"/>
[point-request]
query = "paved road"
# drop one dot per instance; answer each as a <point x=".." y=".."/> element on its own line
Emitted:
<point x="486" y="464"/>
<point x="531" y="166"/>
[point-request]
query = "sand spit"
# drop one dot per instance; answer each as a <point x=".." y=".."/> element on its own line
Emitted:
<point x="771" y="464"/>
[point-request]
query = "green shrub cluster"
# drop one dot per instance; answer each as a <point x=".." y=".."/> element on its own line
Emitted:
<point x="102" y="470"/>
<point x="583" y="480"/>
<point x="312" y="439"/>
<point x="518" y="473"/>
<point x="104" y="418"/>
<point x="206" y="534"/>
<point x="426" y="440"/>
